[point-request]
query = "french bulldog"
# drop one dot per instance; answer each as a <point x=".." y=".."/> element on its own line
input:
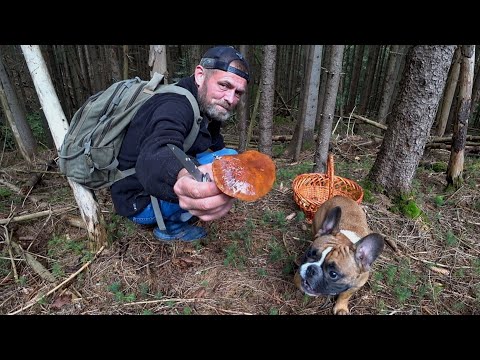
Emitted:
<point x="339" y="259"/>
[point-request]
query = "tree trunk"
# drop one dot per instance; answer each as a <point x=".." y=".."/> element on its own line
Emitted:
<point x="58" y="124"/>
<point x="325" y="128"/>
<point x="15" y="116"/>
<point x="367" y="86"/>
<point x="313" y="82"/>
<point x="446" y="104"/>
<point x="411" y="118"/>
<point x="266" y="99"/>
<point x="455" y="165"/>
<point x="157" y="61"/>
<point x="242" y="109"/>
<point x="357" y="69"/>
<point x="389" y="84"/>
<point x="114" y="65"/>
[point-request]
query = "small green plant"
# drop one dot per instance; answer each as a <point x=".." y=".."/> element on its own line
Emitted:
<point x="22" y="281"/>
<point x="276" y="251"/>
<point x="451" y="239"/>
<point x="439" y="166"/>
<point x="458" y="307"/>
<point x="5" y="193"/>
<point x="289" y="173"/>
<point x="300" y="216"/>
<point x="406" y="206"/>
<point x="57" y="270"/>
<point x="391" y="271"/>
<point x="4" y="265"/>
<point x="234" y="258"/>
<point x="273" y="311"/>
<point x="262" y="272"/>
<point x="120" y="297"/>
<point x="244" y="234"/>
<point x="187" y="310"/>
<point x="144" y="290"/>
<point x="439" y="200"/>
<point x="476" y="266"/>
<point x="459" y="273"/>
<point x="289" y="266"/>
<point x="147" y="312"/>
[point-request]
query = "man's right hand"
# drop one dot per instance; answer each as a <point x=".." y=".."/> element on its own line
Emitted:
<point x="202" y="199"/>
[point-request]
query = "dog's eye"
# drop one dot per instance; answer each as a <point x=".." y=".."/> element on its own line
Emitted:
<point x="332" y="274"/>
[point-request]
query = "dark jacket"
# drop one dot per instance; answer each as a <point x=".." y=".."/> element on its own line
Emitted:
<point x="163" y="119"/>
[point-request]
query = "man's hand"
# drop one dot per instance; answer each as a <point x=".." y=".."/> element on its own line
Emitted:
<point x="201" y="199"/>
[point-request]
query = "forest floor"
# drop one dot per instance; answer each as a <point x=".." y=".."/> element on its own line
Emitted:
<point x="247" y="263"/>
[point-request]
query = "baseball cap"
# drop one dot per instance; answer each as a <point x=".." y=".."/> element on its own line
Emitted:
<point x="220" y="57"/>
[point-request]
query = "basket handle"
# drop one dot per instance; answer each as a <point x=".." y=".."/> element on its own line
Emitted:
<point x="330" y="174"/>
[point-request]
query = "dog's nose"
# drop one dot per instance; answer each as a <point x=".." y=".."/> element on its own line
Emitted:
<point x="312" y="271"/>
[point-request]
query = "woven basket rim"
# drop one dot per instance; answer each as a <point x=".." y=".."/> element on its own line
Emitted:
<point x="303" y="183"/>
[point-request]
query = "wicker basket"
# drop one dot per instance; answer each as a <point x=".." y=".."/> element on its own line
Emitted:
<point x="313" y="189"/>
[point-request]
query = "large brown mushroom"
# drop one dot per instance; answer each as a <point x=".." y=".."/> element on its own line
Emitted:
<point x="247" y="176"/>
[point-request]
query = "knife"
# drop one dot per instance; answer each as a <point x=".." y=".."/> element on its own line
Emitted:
<point x="189" y="164"/>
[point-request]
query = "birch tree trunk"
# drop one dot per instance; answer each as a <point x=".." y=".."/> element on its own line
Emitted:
<point x="411" y="118"/>
<point x="455" y="165"/>
<point x="266" y="99"/>
<point x="16" y="118"/>
<point x="58" y="125"/>
<point x="157" y="61"/>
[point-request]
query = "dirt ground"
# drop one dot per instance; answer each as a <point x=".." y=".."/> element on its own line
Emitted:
<point x="247" y="263"/>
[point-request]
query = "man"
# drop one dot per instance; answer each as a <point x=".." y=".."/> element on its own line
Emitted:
<point x="218" y="83"/>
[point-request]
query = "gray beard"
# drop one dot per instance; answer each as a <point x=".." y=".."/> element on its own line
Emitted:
<point x="211" y="110"/>
<point x="213" y="113"/>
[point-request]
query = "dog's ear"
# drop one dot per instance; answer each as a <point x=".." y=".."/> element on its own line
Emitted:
<point x="368" y="248"/>
<point x="331" y="221"/>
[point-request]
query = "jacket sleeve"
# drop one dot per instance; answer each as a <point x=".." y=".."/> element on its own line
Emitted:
<point x="169" y="122"/>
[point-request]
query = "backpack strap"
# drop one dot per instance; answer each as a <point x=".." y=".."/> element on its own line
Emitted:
<point x="189" y="140"/>
<point x="158" y="213"/>
<point x="197" y="119"/>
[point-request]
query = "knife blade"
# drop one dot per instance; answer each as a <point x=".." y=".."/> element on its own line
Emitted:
<point x="188" y="164"/>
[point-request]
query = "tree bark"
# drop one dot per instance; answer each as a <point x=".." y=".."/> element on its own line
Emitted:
<point x="266" y="99"/>
<point x="307" y="126"/>
<point x="242" y="109"/>
<point x="457" y="154"/>
<point x="446" y="104"/>
<point x="157" y="61"/>
<point x="15" y="116"/>
<point x="325" y="128"/>
<point x="411" y="118"/>
<point x="89" y="208"/>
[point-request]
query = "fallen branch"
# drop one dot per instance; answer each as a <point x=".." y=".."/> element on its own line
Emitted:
<point x="448" y="139"/>
<point x="70" y="278"/>
<point x="9" y="246"/>
<point x="35" y="215"/>
<point x="369" y="122"/>
<point x="76" y="221"/>
<point x="18" y="191"/>
<point x="34" y="264"/>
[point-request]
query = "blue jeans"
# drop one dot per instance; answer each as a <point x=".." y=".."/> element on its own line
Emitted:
<point x="172" y="212"/>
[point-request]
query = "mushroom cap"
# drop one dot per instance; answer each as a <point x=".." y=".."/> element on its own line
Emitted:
<point x="247" y="176"/>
